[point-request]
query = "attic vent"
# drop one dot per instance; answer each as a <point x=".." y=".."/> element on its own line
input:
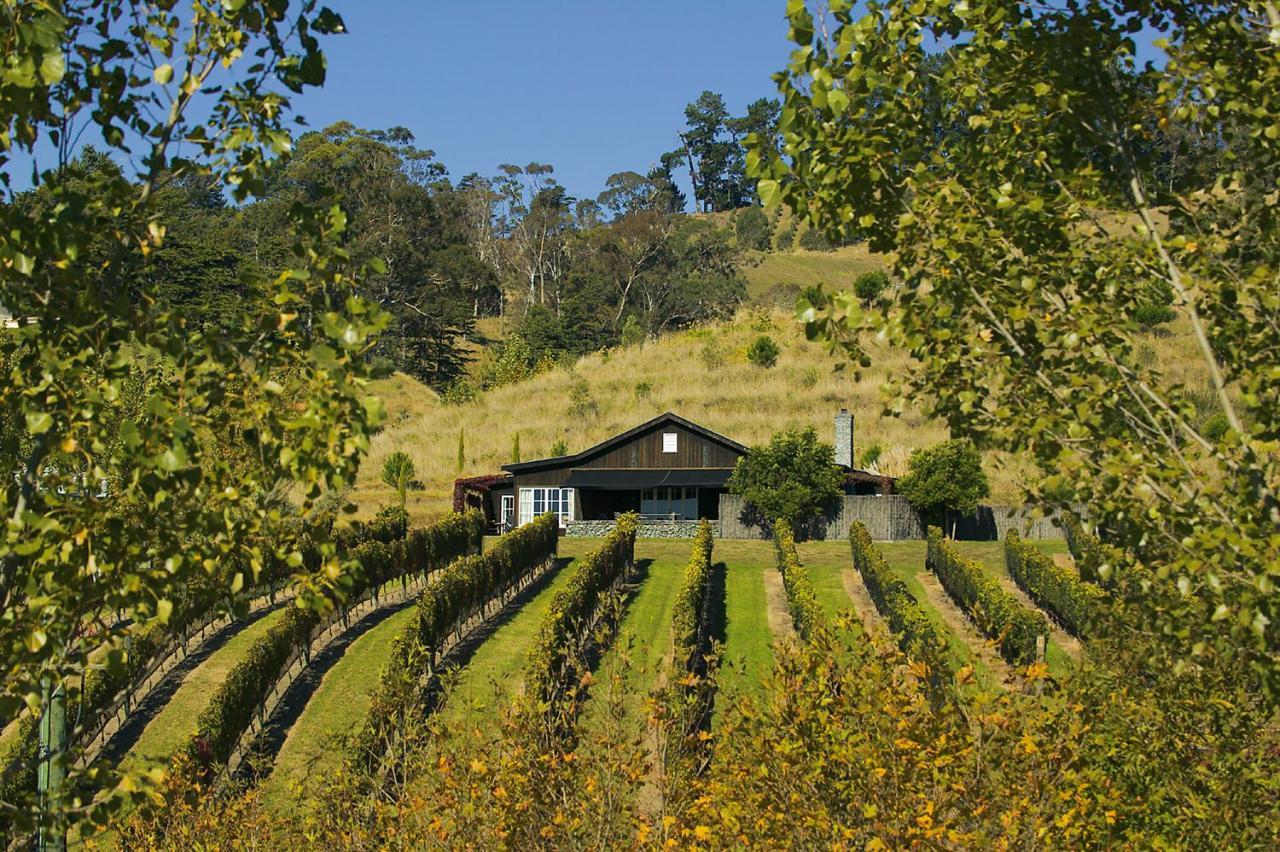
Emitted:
<point x="669" y="442"/>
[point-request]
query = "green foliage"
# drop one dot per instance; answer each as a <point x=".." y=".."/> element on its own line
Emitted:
<point x="398" y="471"/>
<point x="753" y="229"/>
<point x="633" y="333"/>
<point x="1149" y="315"/>
<point x="945" y="477"/>
<point x="1090" y="554"/>
<point x="915" y="632"/>
<point x="559" y="448"/>
<point x="581" y="403"/>
<point x="811" y="239"/>
<point x="555" y="664"/>
<point x="869" y="286"/>
<point x="1031" y="192"/>
<point x="793" y="478"/>
<point x="786" y="240"/>
<point x="711" y="354"/>
<point x="644" y="389"/>
<point x="690" y="607"/>
<point x="1077" y="606"/>
<point x="870" y="454"/>
<point x="233" y="706"/>
<point x="457" y="593"/>
<point x="806" y="613"/>
<point x="998" y="614"/>
<point x="142" y="445"/>
<point x="462" y="449"/>
<point x="763" y="352"/>
<point x="515" y="449"/>
<point x="1215" y="427"/>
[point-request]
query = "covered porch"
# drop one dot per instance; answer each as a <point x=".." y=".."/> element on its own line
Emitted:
<point x="657" y="495"/>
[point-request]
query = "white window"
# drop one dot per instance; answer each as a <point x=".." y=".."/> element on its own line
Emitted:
<point x="669" y="442"/>
<point x="540" y="501"/>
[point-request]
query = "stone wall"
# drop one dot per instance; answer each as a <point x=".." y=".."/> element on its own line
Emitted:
<point x="889" y="518"/>
<point x="647" y="529"/>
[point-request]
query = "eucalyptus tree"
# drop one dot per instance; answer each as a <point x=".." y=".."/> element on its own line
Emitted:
<point x="139" y="452"/>
<point x="1017" y="188"/>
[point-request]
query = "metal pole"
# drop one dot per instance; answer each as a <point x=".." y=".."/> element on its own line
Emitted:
<point x="51" y="774"/>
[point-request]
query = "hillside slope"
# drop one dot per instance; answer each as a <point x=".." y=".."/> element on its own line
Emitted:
<point x="702" y="374"/>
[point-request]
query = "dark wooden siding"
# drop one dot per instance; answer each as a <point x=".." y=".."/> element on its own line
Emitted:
<point x="645" y="451"/>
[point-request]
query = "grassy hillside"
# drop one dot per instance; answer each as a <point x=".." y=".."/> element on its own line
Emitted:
<point x="775" y="278"/>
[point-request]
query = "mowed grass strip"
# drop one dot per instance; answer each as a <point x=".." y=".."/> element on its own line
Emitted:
<point x="488" y="680"/>
<point x="640" y="653"/>
<point x="747" y="655"/>
<point x="337" y="707"/>
<point x="174" y="725"/>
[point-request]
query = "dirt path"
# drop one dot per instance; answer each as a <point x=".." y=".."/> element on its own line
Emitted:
<point x="959" y="624"/>
<point x="863" y="605"/>
<point x="1060" y="637"/>
<point x="780" y="623"/>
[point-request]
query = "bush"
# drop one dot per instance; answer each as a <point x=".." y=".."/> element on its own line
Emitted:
<point x="793" y="478"/>
<point x="235" y="702"/>
<point x="870" y="455"/>
<point x="916" y="635"/>
<point x="998" y="614"/>
<point x="581" y="403"/>
<point x="813" y="240"/>
<point x="559" y="448"/>
<point x="555" y="663"/>
<point x="1075" y="605"/>
<point x="643" y="390"/>
<point x="763" y="352"/>
<point x="467" y="585"/>
<point x="869" y="285"/>
<point x="945" y="477"/>
<point x="1215" y="428"/>
<point x="806" y="614"/>
<point x="398" y="471"/>
<point x="1088" y="551"/>
<point x="633" y="332"/>
<point x="711" y="355"/>
<point x="753" y="229"/>
<point x="1149" y="315"/>
<point x="787" y="238"/>
<point x="691" y="599"/>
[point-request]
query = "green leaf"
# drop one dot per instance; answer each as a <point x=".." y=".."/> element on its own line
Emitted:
<point x="770" y="192"/>
<point x="39" y="422"/>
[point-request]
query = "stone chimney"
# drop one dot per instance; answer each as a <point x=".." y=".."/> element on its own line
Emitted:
<point x="844" y="438"/>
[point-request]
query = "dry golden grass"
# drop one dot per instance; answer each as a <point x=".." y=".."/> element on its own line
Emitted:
<point x="773" y="278"/>
<point x="702" y="375"/>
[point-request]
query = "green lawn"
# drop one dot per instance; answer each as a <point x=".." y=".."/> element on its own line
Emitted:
<point x="488" y="680"/>
<point x="173" y="725"/>
<point x="747" y="656"/>
<point x="337" y="707"/>
<point x="643" y="643"/>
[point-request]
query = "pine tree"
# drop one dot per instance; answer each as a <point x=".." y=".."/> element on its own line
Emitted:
<point x="462" y="449"/>
<point x="515" y="449"/>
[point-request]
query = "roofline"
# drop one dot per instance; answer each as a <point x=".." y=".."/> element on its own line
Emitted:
<point x="560" y="461"/>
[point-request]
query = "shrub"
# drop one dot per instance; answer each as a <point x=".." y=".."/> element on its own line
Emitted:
<point x="870" y="455"/>
<point x="794" y="477"/>
<point x="753" y="229"/>
<point x="945" y="477"/>
<point x="559" y="448"/>
<point x="1215" y="428"/>
<point x="1087" y="550"/>
<point x="998" y="614"/>
<point x="763" y="352"/>
<point x="711" y="355"/>
<point x="515" y="449"/>
<point x="581" y="403"/>
<point x="555" y="663"/>
<point x="633" y="332"/>
<point x="691" y="600"/>
<point x="643" y="390"/>
<point x="468" y="584"/>
<point x="916" y="634"/>
<point x="806" y="614"/>
<point x="1075" y="605"/>
<point x="869" y="285"/>
<point x="787" y="238"/>
<point x="398" y="471"/>
<point x="235" y="702"/>
<point x="809" y="378"/>
<point x="813" y="240"/>
<point x="1149" y="315"/>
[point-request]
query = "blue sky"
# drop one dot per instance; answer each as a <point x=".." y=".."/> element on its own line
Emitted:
<point x="590" y="87"/>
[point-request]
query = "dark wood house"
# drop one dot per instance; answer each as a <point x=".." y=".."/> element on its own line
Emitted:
<point x="667" y="468"/>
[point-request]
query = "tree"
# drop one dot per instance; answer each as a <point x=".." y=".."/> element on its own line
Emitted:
<point x="945" y="478"/>
<point x="1017" y="300"/>
<point x="753" y="229"/>
<point x="515" y="449"/>
<point x="141" y="453"/>
<point x="869" y="286"/>
<point x="462" y="450"/>
<point x="398" y="471"/>
<point x="793" y="477"/>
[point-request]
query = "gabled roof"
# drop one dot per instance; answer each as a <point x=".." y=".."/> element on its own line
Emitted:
<point x="660" y="420"/>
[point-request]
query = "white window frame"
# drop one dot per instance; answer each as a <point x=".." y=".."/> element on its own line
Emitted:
<point x="542" y="499"/>
<point x="671" y="442"/>
<point x="507" y="511"/>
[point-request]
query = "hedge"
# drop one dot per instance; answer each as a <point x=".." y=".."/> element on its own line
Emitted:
<point x="452" y="597"/>
<point x="235" y="702"/>
<point x="998" y="614"/>
<point x="691" y="599"/>
<point x="806" y="614"/>
<point x="561" y="636"/>
<point x="916" y="634"/>
<point x="1074" y="604"/>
